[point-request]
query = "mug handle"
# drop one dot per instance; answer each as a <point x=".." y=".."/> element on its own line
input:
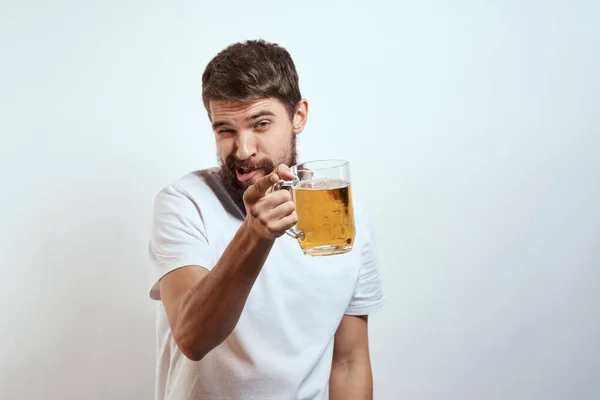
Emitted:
<point x="293" y="232"/>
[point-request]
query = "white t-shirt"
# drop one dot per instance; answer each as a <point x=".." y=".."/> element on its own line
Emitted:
<point x="282" y="346"/>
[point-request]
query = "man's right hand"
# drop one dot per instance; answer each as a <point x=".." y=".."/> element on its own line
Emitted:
<point x="270" y="213"/>
<point x="203" y="307"/>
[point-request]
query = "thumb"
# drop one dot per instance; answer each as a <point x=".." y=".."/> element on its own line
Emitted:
<point x="283" y="171"/>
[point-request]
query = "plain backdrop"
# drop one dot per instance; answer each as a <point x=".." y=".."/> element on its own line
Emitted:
<point x="473" y="132"/>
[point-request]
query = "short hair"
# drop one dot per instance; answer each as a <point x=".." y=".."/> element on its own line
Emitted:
<point x="251" y="70"/>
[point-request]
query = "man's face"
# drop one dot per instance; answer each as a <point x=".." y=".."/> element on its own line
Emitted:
<point x="252" y="139"/>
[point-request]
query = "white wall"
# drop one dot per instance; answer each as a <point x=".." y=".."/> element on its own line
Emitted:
<point x="473" y="131"/>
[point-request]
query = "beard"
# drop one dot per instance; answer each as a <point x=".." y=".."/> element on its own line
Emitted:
<point x="235" y="188"/>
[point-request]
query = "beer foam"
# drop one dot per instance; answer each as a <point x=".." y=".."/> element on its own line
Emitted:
<point x="323" y="184"/>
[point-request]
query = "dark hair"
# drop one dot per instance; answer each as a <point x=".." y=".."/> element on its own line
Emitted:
<point x="252" y="70"/>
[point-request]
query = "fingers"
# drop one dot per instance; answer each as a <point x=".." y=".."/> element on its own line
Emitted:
<point x="263" y="186"/>
<point x="260" y="188"/>
<point x="281" y="218"/>
<point x="284" y="172"/>
<point x="270" y="202"/>
<point x="285" y="223"/>
<point x="270" y="213"/>
<point x="282" y="210"/>
<point x="274" y="199"/>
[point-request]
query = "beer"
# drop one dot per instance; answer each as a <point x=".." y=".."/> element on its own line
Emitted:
<point x="325" y="216"/>
<point x="323" y="196"/>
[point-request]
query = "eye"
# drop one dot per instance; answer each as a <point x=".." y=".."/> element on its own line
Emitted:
<point x="225" y="131"/>
<point x="263" y="124"/>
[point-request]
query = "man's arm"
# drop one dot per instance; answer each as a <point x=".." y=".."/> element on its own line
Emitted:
<point x="203" y="307"/>
<point x="351" y="376"/>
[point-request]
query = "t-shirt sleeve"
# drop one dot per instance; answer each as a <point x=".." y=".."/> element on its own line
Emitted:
<point x="178" y="237"/>
<point x="368" y="294"/>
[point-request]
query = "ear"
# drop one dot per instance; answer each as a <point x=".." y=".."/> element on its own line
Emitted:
<point x="300" y="116"/>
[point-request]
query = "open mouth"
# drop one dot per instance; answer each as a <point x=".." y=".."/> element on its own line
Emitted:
<point x="244" y="174"/>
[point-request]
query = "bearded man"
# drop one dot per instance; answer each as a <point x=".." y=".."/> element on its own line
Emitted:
<point x="242" y="312"/>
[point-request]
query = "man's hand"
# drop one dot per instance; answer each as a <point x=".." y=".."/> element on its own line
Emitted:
<point x="270" y="213"/>
<point x="203" y="307"/>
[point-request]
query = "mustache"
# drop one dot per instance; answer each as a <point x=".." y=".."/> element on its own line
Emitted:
<point x="233" y="163"/>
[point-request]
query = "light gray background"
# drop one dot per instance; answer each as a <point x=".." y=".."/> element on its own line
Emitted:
<point x="473" y="132"/>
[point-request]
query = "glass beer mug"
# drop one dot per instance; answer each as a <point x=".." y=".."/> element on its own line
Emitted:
<point x="323" y="196"/>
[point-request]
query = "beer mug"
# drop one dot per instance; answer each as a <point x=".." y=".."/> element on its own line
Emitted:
<point x="323" y="196"/>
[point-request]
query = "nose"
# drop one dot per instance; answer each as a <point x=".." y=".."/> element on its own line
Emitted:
<point x="246" y="145"/>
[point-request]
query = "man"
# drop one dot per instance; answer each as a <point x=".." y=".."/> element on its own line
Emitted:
<point x="244" y="314"/>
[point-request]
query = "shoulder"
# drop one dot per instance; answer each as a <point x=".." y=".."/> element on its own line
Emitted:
<point x="362" y="213"/>
<point x="365" y="234"/>
<point x="193" y="183"/>
<point x="194" y="186"/>
<point x="193" y="194"/>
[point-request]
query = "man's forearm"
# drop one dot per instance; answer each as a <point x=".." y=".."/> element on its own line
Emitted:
<point x="351" y="381"/>
<point x="210" y="310"/>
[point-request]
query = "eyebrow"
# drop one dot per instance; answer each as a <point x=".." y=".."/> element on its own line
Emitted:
<point x="261" y="113"/>
<point x="219" y="124"/>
